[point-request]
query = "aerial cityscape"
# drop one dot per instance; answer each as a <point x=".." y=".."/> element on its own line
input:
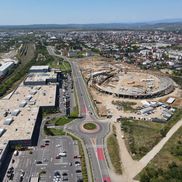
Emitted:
<point x="91" y="91"/>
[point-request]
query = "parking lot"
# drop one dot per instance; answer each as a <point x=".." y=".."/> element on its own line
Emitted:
<point x="55" y="159"/>
<point x="65" y="95"/>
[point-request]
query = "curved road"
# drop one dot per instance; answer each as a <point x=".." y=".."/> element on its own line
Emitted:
<point x="94" y="143"/>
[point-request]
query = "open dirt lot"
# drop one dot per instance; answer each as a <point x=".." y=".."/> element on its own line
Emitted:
<point x="104" y="102"/>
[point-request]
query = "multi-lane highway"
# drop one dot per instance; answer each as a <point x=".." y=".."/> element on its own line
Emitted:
<point x="94" y="142"/>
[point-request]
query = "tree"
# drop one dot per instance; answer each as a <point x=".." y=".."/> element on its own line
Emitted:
<point x="144" y="178"/>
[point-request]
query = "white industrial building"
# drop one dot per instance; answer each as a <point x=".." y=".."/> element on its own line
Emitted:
<point x="5" y="67"/>
<point x="35" y="69"/>
<point x="146" y="110"/>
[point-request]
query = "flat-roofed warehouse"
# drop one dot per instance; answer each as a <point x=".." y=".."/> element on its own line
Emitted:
<point x="41" y="75"/>
<point x="42" y="78"/>
<point x="20" y="115"/>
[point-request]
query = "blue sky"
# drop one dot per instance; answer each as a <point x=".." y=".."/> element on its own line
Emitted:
<point x="14" y="12"/>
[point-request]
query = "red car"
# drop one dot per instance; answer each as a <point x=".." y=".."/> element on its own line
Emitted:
<point x="58" y="157"/>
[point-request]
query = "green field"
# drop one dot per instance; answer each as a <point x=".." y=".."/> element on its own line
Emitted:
<point x="141" y="136"/>
<point x="65" y="66"/>
<point x="167" y="164"/>
<point x="113" y="150"/>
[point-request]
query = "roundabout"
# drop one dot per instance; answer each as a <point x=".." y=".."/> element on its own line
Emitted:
<point x="90" y="127"/>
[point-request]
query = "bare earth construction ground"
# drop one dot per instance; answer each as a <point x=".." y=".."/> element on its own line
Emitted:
<point x="105" y="106"/>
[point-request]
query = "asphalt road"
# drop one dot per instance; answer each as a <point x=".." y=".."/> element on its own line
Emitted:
<point x="94" y="142"/>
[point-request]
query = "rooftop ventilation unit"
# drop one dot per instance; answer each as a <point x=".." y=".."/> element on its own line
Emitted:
<point x="15" y="112"/>
<point x="2" y="131"/>
<point x="23" y="104"/>
<point x="8" y="121"/>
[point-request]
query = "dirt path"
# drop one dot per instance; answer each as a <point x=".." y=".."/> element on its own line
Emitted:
<point x="129" y="166"/>
<point x="150" y="155"/>
<point x="132" y="167"/>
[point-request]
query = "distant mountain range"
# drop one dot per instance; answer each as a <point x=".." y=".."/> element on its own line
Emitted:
<point x="168" y="24"/>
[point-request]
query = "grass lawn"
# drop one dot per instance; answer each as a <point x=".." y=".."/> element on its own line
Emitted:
<point x="141" y="136"/>
<point x="90" y="126"/>
<point x="61" y="64"/>
<point x="60" y="121"/>
<point x="75" y="112"/>
<point x="53" y="131"/>
<point x="113" y="150"/>
<point x="167" y="164"/>
<point x="65" y="66"/>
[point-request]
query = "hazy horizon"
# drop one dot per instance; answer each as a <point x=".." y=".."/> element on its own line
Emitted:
<point x="21" y="12"/>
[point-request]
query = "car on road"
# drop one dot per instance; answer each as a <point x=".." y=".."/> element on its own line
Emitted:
<point x="39" y="162"/>
<point x="58" y="145"/>
<point x="10" y="170"/>
<point x="11" y="176"/>
<point x="62" y="154"/>
<point x="80" y="180"/>
<point x="58" y="157"/>
<point x="77" y="163"/>
<point x="64" y="176"/>
<point x="77" y="156"/>
<point x="78" y="171"/>
<point x="13" y="161"/>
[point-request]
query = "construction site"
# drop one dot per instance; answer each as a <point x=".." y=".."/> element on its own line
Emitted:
<point x="112" y="85"/>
